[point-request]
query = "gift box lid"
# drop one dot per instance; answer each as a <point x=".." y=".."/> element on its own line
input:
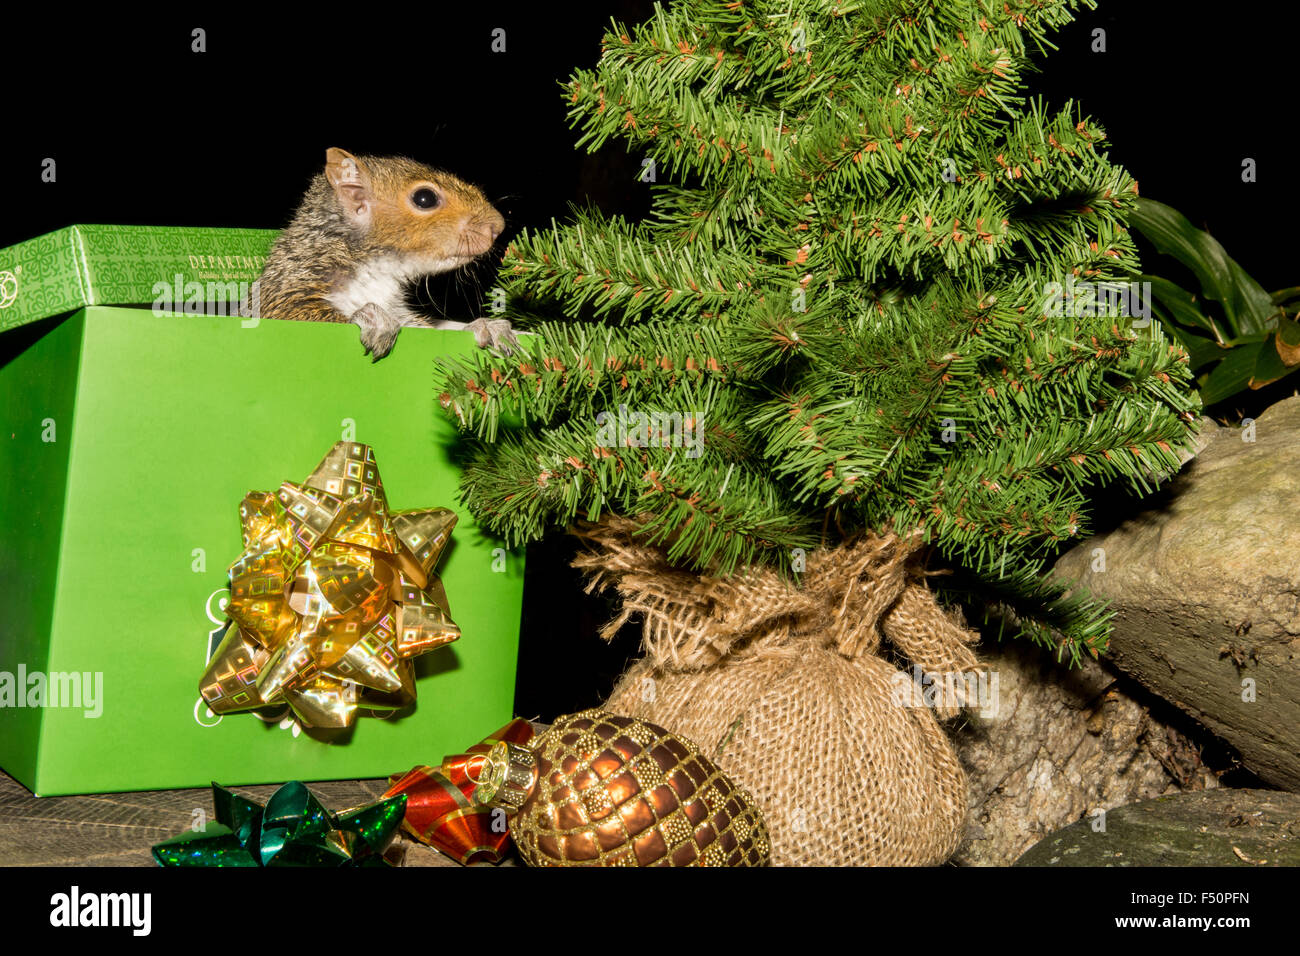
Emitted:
<point x="163" y="266"/>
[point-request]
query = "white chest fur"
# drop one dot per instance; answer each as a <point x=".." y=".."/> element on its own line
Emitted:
<point x="383" y="282"/>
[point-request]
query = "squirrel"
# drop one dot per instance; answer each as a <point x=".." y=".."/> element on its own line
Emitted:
<point x="365" y="229"/>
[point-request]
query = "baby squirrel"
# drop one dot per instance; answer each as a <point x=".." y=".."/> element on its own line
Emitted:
<point x="366" y="228"/>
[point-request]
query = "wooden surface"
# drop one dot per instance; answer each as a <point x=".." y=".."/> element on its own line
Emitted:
<point x="117" y="829"/>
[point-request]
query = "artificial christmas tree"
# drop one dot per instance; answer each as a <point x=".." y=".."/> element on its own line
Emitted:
<point x="842" y="304"/>
<point x="878" y="292"/>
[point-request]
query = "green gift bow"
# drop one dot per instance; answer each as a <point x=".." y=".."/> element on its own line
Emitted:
<point x="293" y="829"/>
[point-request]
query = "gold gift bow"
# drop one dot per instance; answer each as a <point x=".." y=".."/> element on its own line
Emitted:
<point x="331" y="598"/>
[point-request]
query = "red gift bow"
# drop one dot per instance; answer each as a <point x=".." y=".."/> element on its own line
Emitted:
<point x="439" y="810"/>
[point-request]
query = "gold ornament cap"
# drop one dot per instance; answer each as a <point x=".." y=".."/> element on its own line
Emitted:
<point x="509" y="777"/>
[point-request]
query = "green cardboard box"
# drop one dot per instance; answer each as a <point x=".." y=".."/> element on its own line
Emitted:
<point x="130" y="437"/>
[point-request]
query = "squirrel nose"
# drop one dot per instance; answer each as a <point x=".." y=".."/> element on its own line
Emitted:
<point x="482" y="230"/>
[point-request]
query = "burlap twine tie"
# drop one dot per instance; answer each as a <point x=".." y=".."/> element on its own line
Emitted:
<point x="785" y="687"/>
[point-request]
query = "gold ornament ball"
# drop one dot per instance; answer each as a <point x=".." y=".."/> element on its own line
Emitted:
<point x="597" y="789"/>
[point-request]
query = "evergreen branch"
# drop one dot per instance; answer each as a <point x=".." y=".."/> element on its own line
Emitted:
<point x="1034" y="605"/>
<point x="806" y="445"/>
<point x="683" y="134"/>
<point x="583" y="370"/>
<point x="986" y="520"/>
<point x="610" y="267"/>
<point x="718" y="514"/>
<point x="907" y="234"/>
<point x="716" y="519"/>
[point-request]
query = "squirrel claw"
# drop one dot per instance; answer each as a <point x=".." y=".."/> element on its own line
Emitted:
<point x="494" y="333"/>
<point x="378" y="342"/>
<point x="378" y="330"/>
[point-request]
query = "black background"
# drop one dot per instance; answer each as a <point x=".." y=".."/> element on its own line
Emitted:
<point x="145" y="131"/>
<point x="741" y="910"/>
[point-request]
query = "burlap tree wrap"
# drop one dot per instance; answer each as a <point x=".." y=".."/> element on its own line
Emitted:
<point x="784" y="686"/>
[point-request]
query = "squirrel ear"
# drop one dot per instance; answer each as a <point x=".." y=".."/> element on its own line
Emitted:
<point x="351" y="184"/>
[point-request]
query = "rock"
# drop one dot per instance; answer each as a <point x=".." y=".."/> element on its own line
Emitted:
<point x="1221" y="827"/>
<point x="1062" y="744"/>
<point x="1206" y="587"/>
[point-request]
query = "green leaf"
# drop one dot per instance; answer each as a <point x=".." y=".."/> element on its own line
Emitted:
<point x="1288" y="335"/>
<point x="1247" y="306"/>
<point x="1234" y="373"/>
<point x="1253" y="339"/>
<point x="1279" y="356"/>
<point x="1181" y="305"/>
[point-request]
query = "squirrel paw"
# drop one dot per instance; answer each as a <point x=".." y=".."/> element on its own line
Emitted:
<point x="494" y="333"/>
<point x="378" y="330"/>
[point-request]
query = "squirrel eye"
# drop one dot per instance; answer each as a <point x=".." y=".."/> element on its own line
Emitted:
<point x="424" y="198"/>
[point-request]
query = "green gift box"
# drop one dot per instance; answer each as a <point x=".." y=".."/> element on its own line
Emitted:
<point x="131" y="436"/>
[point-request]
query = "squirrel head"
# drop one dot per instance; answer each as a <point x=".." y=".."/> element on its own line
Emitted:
<point x="430" y="218"/>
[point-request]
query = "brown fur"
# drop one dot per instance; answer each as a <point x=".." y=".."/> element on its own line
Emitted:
<point x="328" y="242"/>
